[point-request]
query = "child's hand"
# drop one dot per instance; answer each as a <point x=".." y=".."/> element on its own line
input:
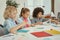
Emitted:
<point x="43" y="16"/>
<point x="55" y="21"/>
<point x="39" y="23"/>
<point x="32" y="24"/>
<point x="23" y="23"/>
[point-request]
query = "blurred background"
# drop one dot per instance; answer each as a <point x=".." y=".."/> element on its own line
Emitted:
<point x="49" y="6"/>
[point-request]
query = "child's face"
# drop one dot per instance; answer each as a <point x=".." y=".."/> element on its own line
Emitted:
<point x="26" y="15"/>
<point x="39" y="15"/>
<point x="13" y="14"/>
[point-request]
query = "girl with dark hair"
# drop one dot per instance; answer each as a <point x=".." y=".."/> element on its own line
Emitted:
<point x="38" y="16"/>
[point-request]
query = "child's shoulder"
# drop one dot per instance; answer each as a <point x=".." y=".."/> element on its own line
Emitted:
<point x="8" y="21"/>
<point x="34" y="18"/>
<point x="20" y="18"/>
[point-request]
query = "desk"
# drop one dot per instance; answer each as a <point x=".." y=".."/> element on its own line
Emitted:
<point x="28" y="36"/>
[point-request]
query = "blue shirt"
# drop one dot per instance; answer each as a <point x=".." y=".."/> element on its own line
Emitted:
<point x="21" y="19"/>
<point x="35" y="20"/>
<point x="9" y="23"/>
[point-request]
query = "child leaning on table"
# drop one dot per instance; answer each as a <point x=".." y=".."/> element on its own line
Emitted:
<point x="10" y="19"/>
<point x="24" y="17"/>
<point x="54" y="20"/>
<point x="38" y="18"/>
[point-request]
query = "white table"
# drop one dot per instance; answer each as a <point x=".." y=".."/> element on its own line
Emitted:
<point x="28" y="36"/>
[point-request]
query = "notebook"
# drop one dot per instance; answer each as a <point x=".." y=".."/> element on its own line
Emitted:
<point x="41" y="34"/>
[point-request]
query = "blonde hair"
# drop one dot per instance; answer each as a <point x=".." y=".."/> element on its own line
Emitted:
<point x="8" y="11"/>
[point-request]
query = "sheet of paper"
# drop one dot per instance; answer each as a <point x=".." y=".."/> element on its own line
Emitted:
<point x="47" y="39"/>
<point x="53" y="32"/>
<point x="41" y="34"/>
<point x="22" y="30"/>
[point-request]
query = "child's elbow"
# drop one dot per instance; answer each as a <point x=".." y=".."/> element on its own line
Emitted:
<point x="12" y="31"/>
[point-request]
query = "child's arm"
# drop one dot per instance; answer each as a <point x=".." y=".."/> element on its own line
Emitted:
<point x="39" y="23"/>
<point x="55" y="21"/>
<point x="32" y="25"/>
<point x="14" y="29"/>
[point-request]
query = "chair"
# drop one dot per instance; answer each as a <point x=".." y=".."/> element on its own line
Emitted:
<point x="58" y="16"/>
<point x="3" y="31"/>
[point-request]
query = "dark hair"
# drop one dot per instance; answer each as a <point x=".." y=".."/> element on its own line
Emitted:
<point x="1" y="25"/>
<point x="24" y="10"/>
<point x="11" y="3"/>
<point x="36" y="11"/>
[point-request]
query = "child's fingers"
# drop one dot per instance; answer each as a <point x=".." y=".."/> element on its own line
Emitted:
<point x="40" y="22"/>
<point x="32" y="24"/>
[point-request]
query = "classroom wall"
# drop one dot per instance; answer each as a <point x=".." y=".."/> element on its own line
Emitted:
<point x="57" y="7"/>
<point x="2" y="7"/>
<point x="47" y="8"/>
<point x="31" y="4"/>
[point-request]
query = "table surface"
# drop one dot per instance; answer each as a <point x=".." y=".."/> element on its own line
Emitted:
<point x="28" y="36"/>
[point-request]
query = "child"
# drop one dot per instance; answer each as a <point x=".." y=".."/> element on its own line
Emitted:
<point x="24" y="16"/>
<point x="38" y="16"/>
<point x="54" y="20"/>
<point x="10" y="18"/>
